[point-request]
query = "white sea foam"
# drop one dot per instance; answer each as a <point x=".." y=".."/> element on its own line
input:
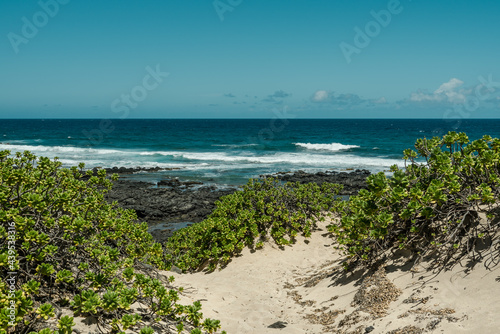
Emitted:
<point x="164" y="153"/>
<point x="215" y="160"/>
<point x="55" y="149"/>
<point x="346" y="160"/>
<point x="334" y="147"/>
<point x="234" y="145"/>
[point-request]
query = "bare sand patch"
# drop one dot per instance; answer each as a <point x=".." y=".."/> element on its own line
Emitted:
<point x="303" y="289"/>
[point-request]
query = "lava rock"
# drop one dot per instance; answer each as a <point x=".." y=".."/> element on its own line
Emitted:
<point x="177" y="201"/>
<point x="160" y="205"/>
<point x="352" y="181"/>
<point x="176" y="183"/>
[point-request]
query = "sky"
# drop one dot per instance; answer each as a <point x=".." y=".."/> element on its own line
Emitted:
<point x="249" y="59"/>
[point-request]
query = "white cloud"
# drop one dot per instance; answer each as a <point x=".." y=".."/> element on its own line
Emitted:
<point x="448" y="89"/>
<point x="449" y="86"/>
<point x="320" y="96"/>
<point x="421" y="96"/>
<point x="448" y="92"/>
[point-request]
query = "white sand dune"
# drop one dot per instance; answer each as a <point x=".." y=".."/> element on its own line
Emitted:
<point x="302" y="290"/>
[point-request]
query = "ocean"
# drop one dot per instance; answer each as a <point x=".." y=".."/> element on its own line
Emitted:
<point x="230" y="151"/>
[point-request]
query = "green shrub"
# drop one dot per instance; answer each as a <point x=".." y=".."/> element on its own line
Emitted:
<point x="428" y="207"/>
<point x="67" y="247"/>
<point x="264" y="208"/>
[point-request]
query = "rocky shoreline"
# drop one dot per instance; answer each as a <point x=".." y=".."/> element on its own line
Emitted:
<point x="352" y="181"/>
<point x="171" y="201"/>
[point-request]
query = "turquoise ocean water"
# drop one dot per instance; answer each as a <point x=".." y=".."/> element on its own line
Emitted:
<point x="230" y="151"/>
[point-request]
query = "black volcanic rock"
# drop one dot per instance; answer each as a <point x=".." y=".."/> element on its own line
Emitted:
<point x="133" y="170"/>
<point x="172" y="204"/>
<point x="174" y="201"/>
<point x="173" y="183"/>
<point x="352" y="181"/>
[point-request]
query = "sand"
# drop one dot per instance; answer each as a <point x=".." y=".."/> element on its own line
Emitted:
<point x="302" y="289"/>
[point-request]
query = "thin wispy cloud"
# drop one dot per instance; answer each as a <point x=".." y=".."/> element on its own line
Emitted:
<point x="381" y="100"/>
<point x="277" y="97"/>
<point x="329" y="97"/>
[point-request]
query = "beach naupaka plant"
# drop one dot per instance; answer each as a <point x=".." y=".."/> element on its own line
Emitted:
<point x="264" y="209"/>
<point x="62" y="246"/>
<point x="432" y="206"/>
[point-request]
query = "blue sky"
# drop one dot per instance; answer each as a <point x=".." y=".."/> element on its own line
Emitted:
<point x="248" y="59"/>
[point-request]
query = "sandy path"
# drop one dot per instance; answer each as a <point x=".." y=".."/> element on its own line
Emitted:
<point x="269" y="286"/>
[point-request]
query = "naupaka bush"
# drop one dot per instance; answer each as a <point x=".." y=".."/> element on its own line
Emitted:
<point x="63" y="245"/>
<point x="264" y="209"/>
<point x="431" y="206"/>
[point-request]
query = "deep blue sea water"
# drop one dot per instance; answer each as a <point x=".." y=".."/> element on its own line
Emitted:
<point x="230" y="151"/>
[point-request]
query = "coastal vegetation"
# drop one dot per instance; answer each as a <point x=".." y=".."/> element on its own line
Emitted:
<point x="263" y="210"/>
<point x="442" y="204"/>
<point x="64" y="247"/>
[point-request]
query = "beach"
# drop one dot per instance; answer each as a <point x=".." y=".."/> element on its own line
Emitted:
<point x="299" y="288"/>
<point x="303" y="289"/>
<point x="241" y="167"/>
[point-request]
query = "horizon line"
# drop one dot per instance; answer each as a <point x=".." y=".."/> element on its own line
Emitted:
<point x="258" y="118"/>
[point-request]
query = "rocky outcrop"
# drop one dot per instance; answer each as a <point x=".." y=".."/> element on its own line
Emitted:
<point x="171" y="202"/>
<point x="352" y="181"/>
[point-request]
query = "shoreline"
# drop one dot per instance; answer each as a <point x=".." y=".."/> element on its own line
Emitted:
<point x="304" y="289"/>
<point x="172" y="203"/>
